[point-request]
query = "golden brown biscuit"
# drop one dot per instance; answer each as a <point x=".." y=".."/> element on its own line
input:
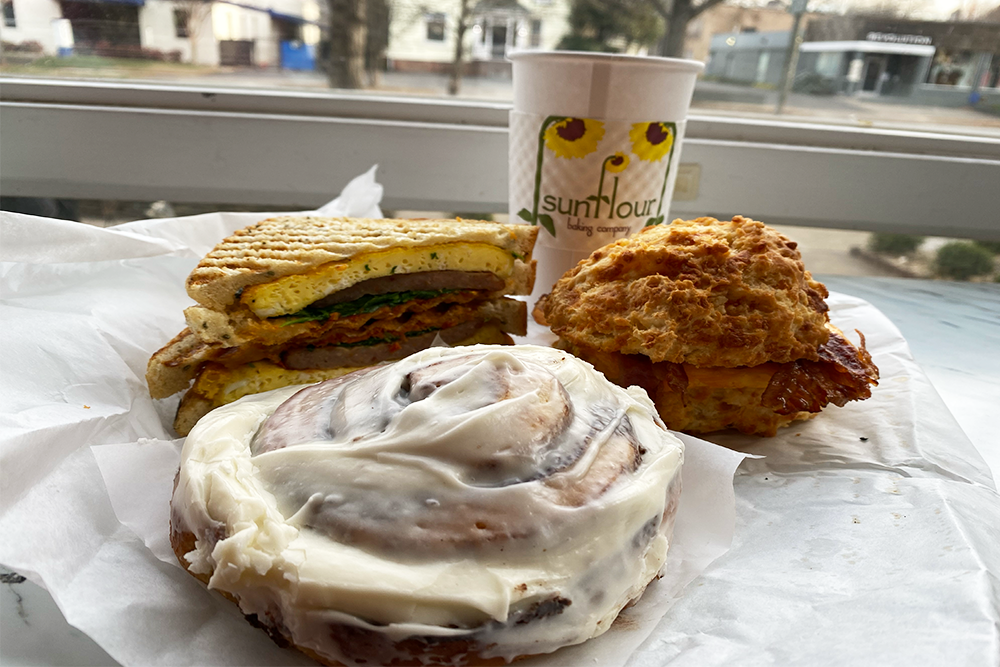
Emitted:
<point x="718" y="321"/>
<point x="702" y="292"/>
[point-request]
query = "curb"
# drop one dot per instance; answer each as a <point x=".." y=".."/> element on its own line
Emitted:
<point x="883" y="263"/>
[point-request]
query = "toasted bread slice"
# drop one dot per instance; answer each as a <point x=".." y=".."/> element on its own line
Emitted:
<point x="217" y="385"/>
<point x="288" y="245"/>
<point x="172" y="368"/>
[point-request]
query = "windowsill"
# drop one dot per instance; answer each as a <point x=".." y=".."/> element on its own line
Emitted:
<point x="102" y="139"/>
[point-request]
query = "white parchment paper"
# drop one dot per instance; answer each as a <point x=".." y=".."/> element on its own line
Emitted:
<point x="88" y="459"/>
<point x="865" y="536"/>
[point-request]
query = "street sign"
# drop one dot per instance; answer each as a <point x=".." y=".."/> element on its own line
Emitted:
<point x="798" y="6"/>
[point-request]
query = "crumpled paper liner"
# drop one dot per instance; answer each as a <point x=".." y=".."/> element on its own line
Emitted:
<point x="865" y="536"/>
<point x="88" y="458"/>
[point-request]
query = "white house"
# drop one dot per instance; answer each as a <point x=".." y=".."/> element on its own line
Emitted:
<point x="36" y="21"/>
<point x="422" y="34"/>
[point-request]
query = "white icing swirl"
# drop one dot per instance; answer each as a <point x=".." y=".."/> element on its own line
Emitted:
<point x="507" y="496"/>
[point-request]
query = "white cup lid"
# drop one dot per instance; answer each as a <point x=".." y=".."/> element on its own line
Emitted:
<point x="603" y="85"/>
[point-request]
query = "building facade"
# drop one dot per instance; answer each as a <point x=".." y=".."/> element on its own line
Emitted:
<point x="33" y="22"/>
<point x="754" y="58"/>
<point x="725" y="19"/>
<point x="261" y="33"/>
<point x="924" y="60"/>
<point x="422" y="34"/>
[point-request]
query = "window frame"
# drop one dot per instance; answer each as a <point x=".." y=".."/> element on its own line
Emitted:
<point x="535" y="33"/>
<point x="182" y="17"/>
<point x="9" y="18"/>
<point x="77" y="139"/>
<point x="436" y="20"/>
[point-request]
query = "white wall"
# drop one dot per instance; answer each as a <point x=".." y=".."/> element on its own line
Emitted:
<point x="555" y="20"/>
<point x="238" y="23"/>
<point x="34" y="23"/>
<point x="224" y="22"/>
<point x="157" y="30"/>
<point x="311" y="33"/>
<point x="408" y="30"/>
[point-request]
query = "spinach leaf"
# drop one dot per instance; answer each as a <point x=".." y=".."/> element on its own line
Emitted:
<point x="366" y="304"/>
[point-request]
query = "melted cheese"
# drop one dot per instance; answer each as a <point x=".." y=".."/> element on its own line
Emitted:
<point x="291" y="294"/>
<point x="392" y="461"/>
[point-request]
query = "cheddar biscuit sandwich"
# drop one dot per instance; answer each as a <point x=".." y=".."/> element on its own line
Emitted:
<point x="292" y="300"/>
<point x="718" y="320"/>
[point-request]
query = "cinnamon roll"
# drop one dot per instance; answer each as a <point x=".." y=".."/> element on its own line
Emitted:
<point x="463" y="505"/>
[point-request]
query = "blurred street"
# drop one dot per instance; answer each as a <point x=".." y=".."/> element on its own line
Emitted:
<point x="710" y="97"/>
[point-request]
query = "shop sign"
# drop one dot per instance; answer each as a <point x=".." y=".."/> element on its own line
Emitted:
<point x="893" y="38"/>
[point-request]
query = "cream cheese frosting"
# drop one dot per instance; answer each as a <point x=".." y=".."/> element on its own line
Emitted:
<point x="506" y="496"/>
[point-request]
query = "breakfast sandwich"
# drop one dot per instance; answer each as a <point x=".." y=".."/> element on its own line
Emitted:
<point x="717" y="320"/>
<point x="292" y="300"/>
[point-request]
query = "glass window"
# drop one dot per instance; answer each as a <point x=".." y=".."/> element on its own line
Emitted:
<point x="918" y="64"/>
<point x="9" y="20"/>
<point x="435" y="27"/>
<point x="181" y="18"/>
<point x="536" y="33"/>
<point x="905" y="70"/>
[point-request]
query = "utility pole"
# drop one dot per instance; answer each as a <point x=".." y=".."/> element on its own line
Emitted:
<point x="797" y="9"/>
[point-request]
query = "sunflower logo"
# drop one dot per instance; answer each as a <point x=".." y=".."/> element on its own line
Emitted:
<point x="651" y="142"/>
<point x="616" y="163"/>
<point x="574" y="137"/>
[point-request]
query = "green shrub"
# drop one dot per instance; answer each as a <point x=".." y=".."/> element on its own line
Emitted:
<point x="992" y="246"/>
<point x="894" y="244"/>
<point x="962" y="260"/>
<point x="814" y="84"/>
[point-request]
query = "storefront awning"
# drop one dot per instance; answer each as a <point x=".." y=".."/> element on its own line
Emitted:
<point x="863" y="46"/>
<point x="274" y="14"/>
<point x="286" y="17"/>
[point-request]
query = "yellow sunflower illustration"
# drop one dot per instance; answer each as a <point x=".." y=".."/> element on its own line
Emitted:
<point x="616" y="163"/>
<point x="651" y="141"/>
<point x="574" y="137"/>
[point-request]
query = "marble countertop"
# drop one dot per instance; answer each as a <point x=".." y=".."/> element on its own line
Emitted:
<point x="953" y="330"/>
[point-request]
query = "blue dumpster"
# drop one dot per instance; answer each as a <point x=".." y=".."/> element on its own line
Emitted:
<point x="297" y="55"/>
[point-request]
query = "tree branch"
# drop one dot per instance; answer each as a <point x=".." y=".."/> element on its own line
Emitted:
<point x="662" y="7"/>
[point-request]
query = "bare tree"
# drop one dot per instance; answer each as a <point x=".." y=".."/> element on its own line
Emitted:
<point x="458" y="61"/>
<point x="194" y="14"/>
<point x="596" y="25"/>
<point x="890" y="9"/>
<point x="676" y="14"/>
<point x="348" y="41"/>
<point x="377" y="40"/>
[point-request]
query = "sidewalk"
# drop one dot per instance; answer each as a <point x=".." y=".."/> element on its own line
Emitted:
<point x="710" y="97"/>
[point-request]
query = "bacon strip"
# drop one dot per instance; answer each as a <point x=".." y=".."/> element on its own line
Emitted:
<point x="843" y="373"/>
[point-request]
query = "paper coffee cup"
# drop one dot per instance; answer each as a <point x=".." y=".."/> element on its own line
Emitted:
<point x="595" y="140"/>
